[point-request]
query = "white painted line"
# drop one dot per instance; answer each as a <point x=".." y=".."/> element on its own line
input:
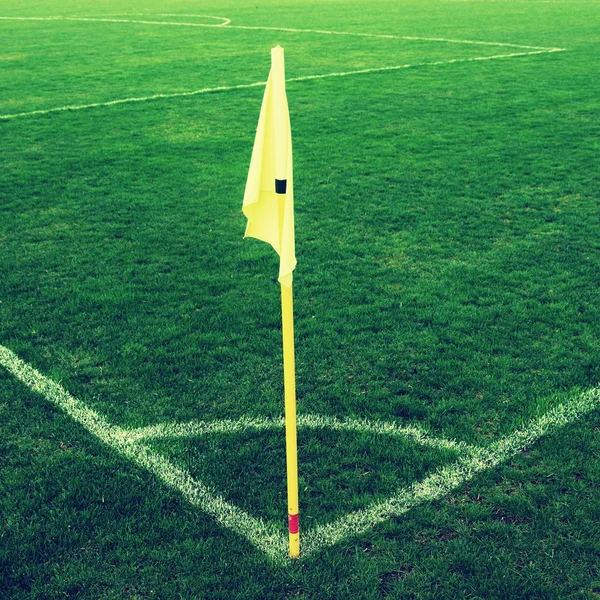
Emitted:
<point x="199" y="428"/>
<point x="446" y="479"/>
<point x="388" y="36"/>
<point x="426" y="64"/>
<point x="226" y="25"/>
<point x="113" y="20"/>
<point x="190" y="429"/>
<point x="265" y="536"/>
<point x="67" y="108"/>
<point x="225" y="20"/>
<point x="415" y="434"/>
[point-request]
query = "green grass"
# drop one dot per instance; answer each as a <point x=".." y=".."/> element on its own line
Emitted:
<point x="250" y="469"/>
<point x="447" y="225"/>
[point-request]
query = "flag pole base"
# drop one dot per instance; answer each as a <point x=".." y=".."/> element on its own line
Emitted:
<point x="294" y="545"/>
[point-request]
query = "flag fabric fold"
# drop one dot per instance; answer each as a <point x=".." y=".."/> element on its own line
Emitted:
<point x="269" y="195"/>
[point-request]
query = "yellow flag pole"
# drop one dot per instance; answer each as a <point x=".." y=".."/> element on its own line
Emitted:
<point x="271" y="219"/>
<point x="291" y="444"/>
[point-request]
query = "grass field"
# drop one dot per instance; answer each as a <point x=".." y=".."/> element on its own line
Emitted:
<point x="447" y="197"/>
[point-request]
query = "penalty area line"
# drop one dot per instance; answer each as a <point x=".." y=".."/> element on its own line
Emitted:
<point x="225" y="88"/>
<point x="75" y="107"/>
<point x="226" y="25"/>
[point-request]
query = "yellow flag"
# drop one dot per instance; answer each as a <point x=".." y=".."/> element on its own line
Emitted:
<point x="269" y="196"/>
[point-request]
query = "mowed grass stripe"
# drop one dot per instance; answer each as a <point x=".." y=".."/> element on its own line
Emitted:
<point x="68" y="108"/>
<point x="265" y="536"/>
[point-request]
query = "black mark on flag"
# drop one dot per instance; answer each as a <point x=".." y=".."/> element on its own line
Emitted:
<point x="280" y="186"/>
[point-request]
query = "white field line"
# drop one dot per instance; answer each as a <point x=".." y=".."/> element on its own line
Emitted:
<point x="226" y="25"/>
<point x="71" y="107"/>
<point x="446" y="479"/>
<point x="113" y="20"/>
<point x="389" y="36"/>
<point x="225" y="20"/>
<point x="265" y="536"/>
<point x="226" y="88"/>
<point x="410" y="432"/>
<point x="424" y="64"/>
<point x="199" y="428"/>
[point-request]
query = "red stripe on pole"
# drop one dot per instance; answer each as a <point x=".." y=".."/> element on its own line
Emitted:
<point x="293" y="523"/>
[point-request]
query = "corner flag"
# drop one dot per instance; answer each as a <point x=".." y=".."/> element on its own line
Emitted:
<point x="269" y="196"/>
<point x="269" y="207"/>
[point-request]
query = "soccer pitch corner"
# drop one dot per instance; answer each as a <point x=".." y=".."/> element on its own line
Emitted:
<point x="266" y="535"/>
